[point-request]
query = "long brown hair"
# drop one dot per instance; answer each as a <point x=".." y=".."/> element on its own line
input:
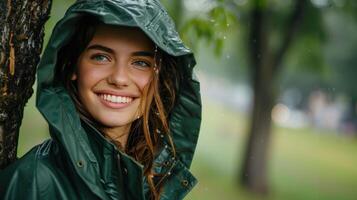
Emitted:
<point x="145" y="134"/>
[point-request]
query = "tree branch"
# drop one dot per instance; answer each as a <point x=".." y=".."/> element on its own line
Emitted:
<point x="292" y="27"/>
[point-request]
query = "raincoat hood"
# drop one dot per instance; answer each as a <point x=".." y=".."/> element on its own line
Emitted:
<point x="89" y="154"/>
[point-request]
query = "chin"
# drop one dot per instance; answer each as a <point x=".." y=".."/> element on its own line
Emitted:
<point x="115" y="122"/>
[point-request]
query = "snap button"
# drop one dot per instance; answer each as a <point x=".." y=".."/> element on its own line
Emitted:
<point x="166" y="163"/>
<point x="80" y="163"/>
<point x="184" y="183"/>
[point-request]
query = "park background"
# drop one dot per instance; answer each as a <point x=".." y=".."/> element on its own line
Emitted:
<point x="312" y="147"/>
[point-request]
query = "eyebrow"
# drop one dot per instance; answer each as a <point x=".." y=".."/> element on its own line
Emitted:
<point x="143" y="53"/>
<point x="109" y="50"/>
<point x="100" y="47"/>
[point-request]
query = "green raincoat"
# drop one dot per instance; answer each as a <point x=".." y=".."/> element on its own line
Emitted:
<point x="78" y="162"/>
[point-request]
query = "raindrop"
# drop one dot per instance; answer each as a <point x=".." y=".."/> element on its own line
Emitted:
<point x="228" y="25"/>
<point x="224" y="37"/>
<point x="212" y="20"/>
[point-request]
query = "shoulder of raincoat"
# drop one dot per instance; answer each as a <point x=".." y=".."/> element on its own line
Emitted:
<point x="78" y="162"/>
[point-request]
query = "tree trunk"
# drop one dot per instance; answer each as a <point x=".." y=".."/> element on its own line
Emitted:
<point x="21" y="39"/>
<point x="254" y="175"/>
<point x="265" y="68"/>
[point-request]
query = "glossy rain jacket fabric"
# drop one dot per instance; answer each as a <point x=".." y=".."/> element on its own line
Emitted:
<point x="78" y="162"/>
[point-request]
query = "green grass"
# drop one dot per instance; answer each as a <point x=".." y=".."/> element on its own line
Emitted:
<point x="305" y="164"/>
<point x="311" y="165"/>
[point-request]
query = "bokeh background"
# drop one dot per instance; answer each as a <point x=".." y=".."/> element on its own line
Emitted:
<point x="305" y="64"/>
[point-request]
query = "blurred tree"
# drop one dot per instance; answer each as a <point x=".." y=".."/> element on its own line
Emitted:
<point x="271" y="28"/>
<point x="265" y="62"/>
<point x="21" y="33"/>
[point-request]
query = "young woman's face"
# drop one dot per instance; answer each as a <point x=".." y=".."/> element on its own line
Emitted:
<point x="112" y="72"/>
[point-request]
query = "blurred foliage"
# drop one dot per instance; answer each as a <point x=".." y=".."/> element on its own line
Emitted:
<point x="231" y="18"/>
<point x="212" y="27"/>
<point x="212" y="32"/>
<point x="321" y="54"/>
<point x="341" y="52"/>
<point x="334" y="54"/>
<point x="175" y="9"/>
<point x="306" y="52"/>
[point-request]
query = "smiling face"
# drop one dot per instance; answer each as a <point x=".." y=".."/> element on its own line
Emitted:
<point x="112" y="73"/>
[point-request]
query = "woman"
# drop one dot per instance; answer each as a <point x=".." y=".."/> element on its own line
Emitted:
<point x="115" y="85"/>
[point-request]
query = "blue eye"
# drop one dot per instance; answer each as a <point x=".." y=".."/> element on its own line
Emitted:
<point x="100" y="58"/>
<point x="142" y="64"/>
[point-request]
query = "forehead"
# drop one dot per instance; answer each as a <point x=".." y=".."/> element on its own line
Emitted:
<point x="122" y="35"/>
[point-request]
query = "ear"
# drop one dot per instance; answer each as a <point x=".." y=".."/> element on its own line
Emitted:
<point x="74" y="77"/>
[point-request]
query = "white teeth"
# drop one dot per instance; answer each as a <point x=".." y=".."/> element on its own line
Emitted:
<point x="116" y="99"/>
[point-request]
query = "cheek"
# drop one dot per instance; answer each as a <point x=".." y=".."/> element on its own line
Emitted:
<point x="142" y="81"/>
<point x="88" y="77"/>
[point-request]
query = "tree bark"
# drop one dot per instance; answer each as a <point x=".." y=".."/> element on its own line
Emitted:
<point x="265" y="68"/>
<point x="21" y="39"/>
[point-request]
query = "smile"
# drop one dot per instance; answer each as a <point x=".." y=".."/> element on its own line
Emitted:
<point x="116" y="99"/>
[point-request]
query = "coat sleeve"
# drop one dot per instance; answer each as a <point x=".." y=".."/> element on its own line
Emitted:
<point x="17" y="181"/>
<point x="35" y="177"/>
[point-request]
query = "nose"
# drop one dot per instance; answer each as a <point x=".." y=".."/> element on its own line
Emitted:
<point x="119" y="75"/>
